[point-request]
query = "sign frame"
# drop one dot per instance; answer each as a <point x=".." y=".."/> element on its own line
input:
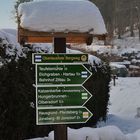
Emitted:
<point x="84" y="70"/>
<point x="63" y="64"/>
<point x="89" y="96"/>
<point x="62" y="58"/>
<point x="64" y="108"/>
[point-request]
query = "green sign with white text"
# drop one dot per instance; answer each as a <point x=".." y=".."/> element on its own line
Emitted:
<point x="62" y="96"/>
<point x="60" y="58"/>
<point x="63" y="115"/>
<point x="64" y="74"/>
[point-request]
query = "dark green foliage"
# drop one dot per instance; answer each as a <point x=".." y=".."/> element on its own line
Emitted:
<point x="16" y="94"/>
<point x="17" y="98"/>
<point x="101" y="79"/>
<point x="17" y="101"/>
<point x="98" y="86"/>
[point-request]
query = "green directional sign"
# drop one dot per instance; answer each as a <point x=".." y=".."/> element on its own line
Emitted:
<point x="60" y="58"/>
<point x="62" y="96"/>
<point x="64" y="74"/>
<point x="63" y="115"/>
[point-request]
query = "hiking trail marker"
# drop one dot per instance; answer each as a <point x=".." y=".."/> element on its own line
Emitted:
<point x="60" y="94"/>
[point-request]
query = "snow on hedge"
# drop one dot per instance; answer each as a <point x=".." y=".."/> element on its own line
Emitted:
<point x="116" y="65"/>
<point x="61" y="16"/>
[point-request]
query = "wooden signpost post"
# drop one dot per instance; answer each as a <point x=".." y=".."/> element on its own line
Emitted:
<point x="60" y="94"/>
<point x="60" y="132"/>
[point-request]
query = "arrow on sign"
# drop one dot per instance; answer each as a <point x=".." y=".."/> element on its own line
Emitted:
<point x="62" y="96"/>
<point x="63" y="74"/>
<point x="63" y="115"/>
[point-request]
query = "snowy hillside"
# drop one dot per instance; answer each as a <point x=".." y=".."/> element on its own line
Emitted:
<point x="125" y="94"/>
<point x="9" y="35"/>
<point x="124" y="101"/>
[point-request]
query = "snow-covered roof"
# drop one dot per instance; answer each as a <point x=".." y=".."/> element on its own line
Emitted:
<point x="113" y="64"/>
<point x="134" y="67"/>
<point x="61" y="16"/>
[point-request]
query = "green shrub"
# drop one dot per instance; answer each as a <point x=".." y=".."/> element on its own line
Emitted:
<point x="17" y="99"/>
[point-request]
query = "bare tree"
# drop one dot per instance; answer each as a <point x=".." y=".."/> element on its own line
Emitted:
<point x="17" y="3"/>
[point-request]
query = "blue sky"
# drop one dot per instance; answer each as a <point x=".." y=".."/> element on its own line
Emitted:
<point x="6" y="15"/>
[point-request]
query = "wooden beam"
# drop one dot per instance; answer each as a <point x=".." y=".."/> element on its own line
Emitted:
<point x="25" y="32"/>
<point x="69" y="39"/>
<point x="35" y="39"/>
<point x="25" y="35"/>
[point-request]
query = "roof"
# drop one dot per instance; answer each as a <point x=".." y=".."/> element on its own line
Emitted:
<point x="61" y="16"/>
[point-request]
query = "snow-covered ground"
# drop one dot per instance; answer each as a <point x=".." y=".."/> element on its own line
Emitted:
<point x="122" y="123"/>
<point x="124" y="101"/>
<point x="125" y="97"/>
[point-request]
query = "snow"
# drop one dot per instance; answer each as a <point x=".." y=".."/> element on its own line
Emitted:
<point x="11" y="31"/>
<point x="116" y="65"/>
<point x="118" y="47"/>
<point x="61" y="16"/>
<point x="123" y="122"/>
<point x="7" y="35"/>
<point x="124" y="101"/>
<point x="9" y="39"/>
<point x="134" y="67"/>
<point x="126" y="89"/>
<point x="94" y="60"/>
<point x="104" y="133"/>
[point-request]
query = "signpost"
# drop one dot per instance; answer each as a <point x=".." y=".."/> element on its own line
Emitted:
<point x="63" y="74"/>
<point x="59" y="58"/>
<point x="62" y="96"/>
<point x="63" y="115"/>
<point x="59" y="88"/>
